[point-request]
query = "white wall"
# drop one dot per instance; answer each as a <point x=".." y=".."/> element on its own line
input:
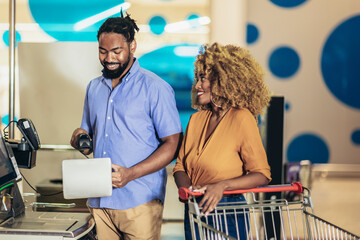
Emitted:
<point x="53" y="79"/>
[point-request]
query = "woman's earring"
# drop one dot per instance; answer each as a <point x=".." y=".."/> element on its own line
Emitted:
<point x="211" y="99"/>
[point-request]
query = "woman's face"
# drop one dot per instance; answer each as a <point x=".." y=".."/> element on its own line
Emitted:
<point x="203" y="89"/>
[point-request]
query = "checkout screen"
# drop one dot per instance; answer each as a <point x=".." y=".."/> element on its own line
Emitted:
<point x="6" y="167"/>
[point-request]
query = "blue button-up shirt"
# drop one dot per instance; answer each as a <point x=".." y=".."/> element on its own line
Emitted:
<point x="126" y="124"/>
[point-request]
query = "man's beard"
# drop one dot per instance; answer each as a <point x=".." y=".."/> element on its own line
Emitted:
<point x="113" y="74"/>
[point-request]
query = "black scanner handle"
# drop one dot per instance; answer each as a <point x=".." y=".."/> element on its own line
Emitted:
<point x="29" y="132"/>
<point x="84" y="142"/>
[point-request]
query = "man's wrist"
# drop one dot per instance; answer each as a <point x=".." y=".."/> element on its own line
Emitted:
<point x="131" y="173"/>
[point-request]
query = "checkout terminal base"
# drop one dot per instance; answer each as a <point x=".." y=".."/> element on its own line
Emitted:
<point x="48" y="225"/>
<point x="18" y="222"/>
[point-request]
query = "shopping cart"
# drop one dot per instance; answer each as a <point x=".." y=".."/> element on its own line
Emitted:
<point x="262" y="219"/>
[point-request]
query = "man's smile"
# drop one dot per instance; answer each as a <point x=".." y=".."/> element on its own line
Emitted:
<point x="112" y="66"/>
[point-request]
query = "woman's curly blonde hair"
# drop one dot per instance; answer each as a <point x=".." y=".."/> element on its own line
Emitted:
<point x="236" y="78"/>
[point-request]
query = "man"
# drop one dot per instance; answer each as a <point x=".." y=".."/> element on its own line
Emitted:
<point x="131" y="116"/>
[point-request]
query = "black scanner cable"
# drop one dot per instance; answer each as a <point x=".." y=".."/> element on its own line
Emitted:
<point x="45" y="195"/>
<point x="6" y="136"/>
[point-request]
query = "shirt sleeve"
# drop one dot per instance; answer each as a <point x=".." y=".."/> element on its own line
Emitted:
<point x="163" y="110"/>
<point x="180" y="165"/>
<point x="85" y="123"/>
<point x="252" y="151"/>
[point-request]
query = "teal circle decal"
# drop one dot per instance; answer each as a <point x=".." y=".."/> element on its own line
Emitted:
<point x="6" y="38"/>
<point x="157" y="25"/>
<point x="69" y="20"/>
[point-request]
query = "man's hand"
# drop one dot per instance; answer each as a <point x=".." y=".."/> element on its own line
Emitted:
<point x="120" y="176"/>
<point x="74" y="137"/>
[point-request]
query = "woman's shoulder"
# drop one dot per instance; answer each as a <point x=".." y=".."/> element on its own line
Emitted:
<point x="200" y="114"/>
<point x="241" y="112"/>
<point x="243" y="115"/>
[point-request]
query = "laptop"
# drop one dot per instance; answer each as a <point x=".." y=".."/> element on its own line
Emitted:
<point x="86" y="178"/>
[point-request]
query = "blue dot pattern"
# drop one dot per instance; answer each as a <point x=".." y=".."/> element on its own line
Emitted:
<point x="308" y="147"/>
<point x="58" y="17"/>
<point x="6" y="38"/>
<point x="194" y="24"/>
<point x="252" y="33"/>
<point x="5" y="119"/>
<point x="288" y="3"/>
<point x="287" y="106"/>
<point x="284" y="62"/>
<point x="192" y="16"/>
<point x="340" y="62"/>
<point x="177" y="70"/>
<point x="355" y="137"/>
<point x="157" y="25"/>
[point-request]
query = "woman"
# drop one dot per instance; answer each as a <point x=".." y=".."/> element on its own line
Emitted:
<point x="222" y="148"/>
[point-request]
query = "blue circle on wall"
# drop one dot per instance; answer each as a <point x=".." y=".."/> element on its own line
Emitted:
<point x="175" y="64"/>
<point x="58" y="17"/>
<point x="157" y="25"/>
<point x="5" y="119"/>
<point x="287" y="106"/>
<point x="6" y="37"/>
<point x="340" y="62"/>
<point x="287" y="3"/>
<point x="284" y="62"/>
<point x="308" y="147"/>
<point x="252" y="33"/>
<point x="355" y="137"/>
<point x="194" y="23"/>
<point x="192" y="16"/>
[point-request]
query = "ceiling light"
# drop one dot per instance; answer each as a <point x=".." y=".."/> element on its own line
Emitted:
<point x="187" y="24"/>
<point x="100" y="16"/>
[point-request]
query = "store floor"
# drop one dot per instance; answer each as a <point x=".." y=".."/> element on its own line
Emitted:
<point x="337" y="200"/>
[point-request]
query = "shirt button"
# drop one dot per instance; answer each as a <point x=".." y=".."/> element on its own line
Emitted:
<point x="111" y="100"/>
<point x="106" y="135"/>
<point x="104" y="153"/>
<point x="108" y="117"/>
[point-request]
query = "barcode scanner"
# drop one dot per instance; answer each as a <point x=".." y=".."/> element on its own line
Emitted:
<point x="84" y="142"/>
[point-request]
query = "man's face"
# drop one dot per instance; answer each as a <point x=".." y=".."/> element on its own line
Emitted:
<point x="115" y="54"/>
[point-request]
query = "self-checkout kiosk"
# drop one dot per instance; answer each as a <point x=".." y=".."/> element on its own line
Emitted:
<point x="19" y="220"/>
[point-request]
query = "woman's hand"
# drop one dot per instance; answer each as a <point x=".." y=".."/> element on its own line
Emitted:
<point x="182" y="180"/>
<point x="212" y="196"/>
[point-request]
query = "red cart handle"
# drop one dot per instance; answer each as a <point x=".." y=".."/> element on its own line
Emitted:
<point x="296" y="187"/>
